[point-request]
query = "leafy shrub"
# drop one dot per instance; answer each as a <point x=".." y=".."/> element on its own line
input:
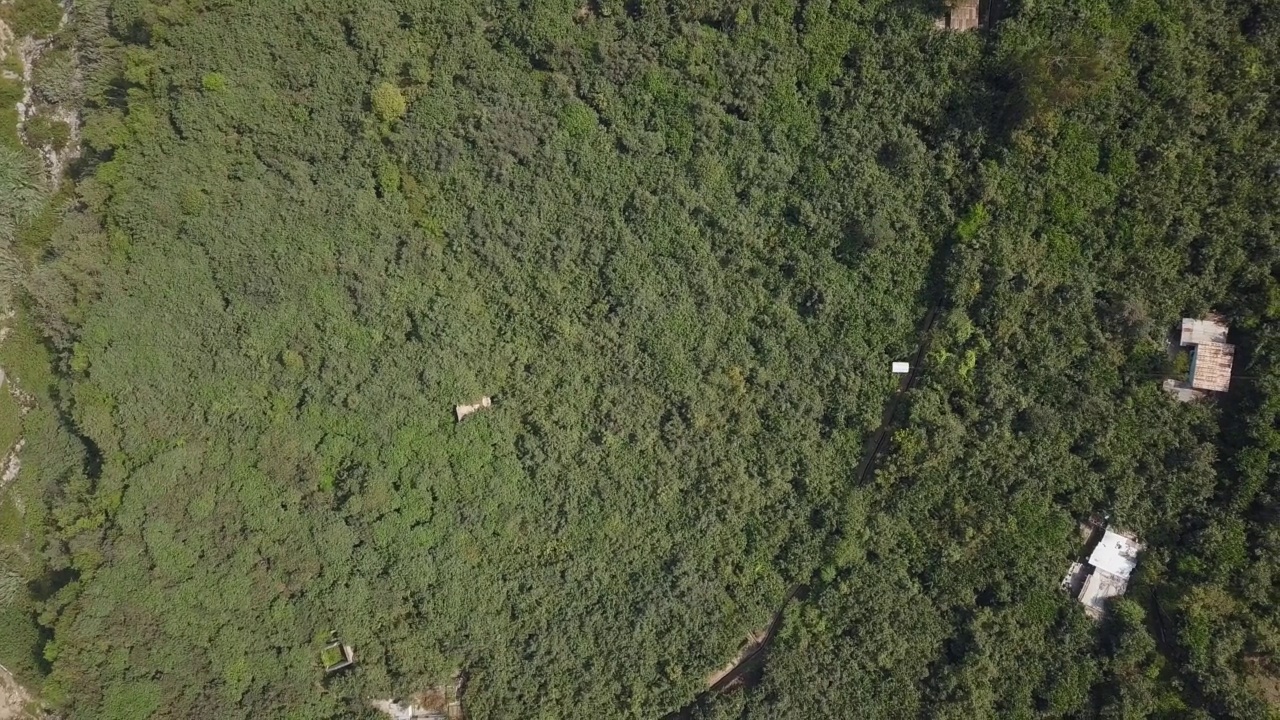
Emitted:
<point x="973" y="221"/>
<point x="43" y="132"/>
<point x="388" y="177"/>
<point x="214" y="82"/>
<point x="578" y="119"/>
<point x="388" y="102"/>
<point x="1181" y="365"/>
<point x="33" y="17"/>
<point x="54" y="79"/>
<point x="19" y="194"/>
<point x="19" y="641"/>
<point x="10" y="95"/>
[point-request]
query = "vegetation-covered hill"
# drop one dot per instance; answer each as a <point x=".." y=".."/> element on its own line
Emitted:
<point x="679" y="244"/>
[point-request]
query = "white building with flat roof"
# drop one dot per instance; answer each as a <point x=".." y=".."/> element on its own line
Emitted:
<point x="1106" y="574"/>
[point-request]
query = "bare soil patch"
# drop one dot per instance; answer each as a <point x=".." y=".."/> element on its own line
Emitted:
<point x="15" y="702"/>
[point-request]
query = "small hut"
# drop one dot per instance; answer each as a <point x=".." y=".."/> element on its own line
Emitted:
<point x="1105" y="574"/>
<point x="335" y="656"/>
<point x="441" y="702"/>
<point x="1211" y="358"/>
<point x="464" y="410"/>
<point x="960" y="15"/>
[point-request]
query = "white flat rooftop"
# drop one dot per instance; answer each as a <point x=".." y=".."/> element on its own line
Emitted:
<point x="1116" y="554"/>
<point x="1201" y="332"/>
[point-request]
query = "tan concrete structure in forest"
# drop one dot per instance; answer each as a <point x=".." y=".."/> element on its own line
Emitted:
<point x="442" y="702"/>
<point x="1105" y="574"/>
<point x="1211" y="358"/>
<point x="335" y="656"/>
<point x="960" y="15"/>
<point x="464" y="410"/>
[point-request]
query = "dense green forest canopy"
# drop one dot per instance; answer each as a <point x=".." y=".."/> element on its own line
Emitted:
<point x="678" y="243"/>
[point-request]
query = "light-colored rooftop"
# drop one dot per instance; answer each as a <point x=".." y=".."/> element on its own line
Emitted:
<point x="965" y="17"/>
<point x="1100" y="587"/>
<point x="960" y="15"/>
<point x="1183" y="390"/>
<point x="408" y="711"/>
<point x="1211" y="355"/>
<point x="463" y="411"/>
<point x="1199" y="332"/>
<point x="1106" y="573"/>
<point x="1211" y="366"/>
<point x="1116" y="554"/>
